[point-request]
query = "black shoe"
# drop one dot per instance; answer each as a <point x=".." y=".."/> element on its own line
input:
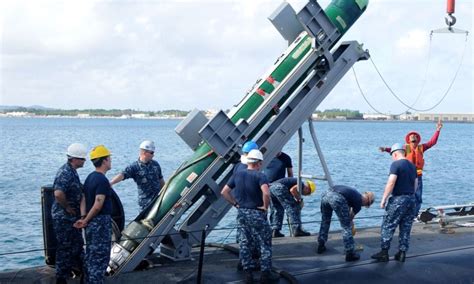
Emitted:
<point x="248" y="277"/>
<point x="61" y="280"/>
<point x="321" y="247"/>
<point x="400" y="256"/>
<point x="269" y="277"/>
<point x="300" y="233"/>
<point x="239" y="266"/>
<point x="381" y="255"/>
<point x="352" y="256"/>
<point x="277" y="234"/>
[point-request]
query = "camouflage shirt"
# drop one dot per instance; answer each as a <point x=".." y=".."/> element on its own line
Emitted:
<point x="147" y="176"/>
<point x="67" y="180"/>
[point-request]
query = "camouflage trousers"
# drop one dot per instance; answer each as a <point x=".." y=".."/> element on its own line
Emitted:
<point x="418" y="195"/>
<point x="400" y="211"/>
<point x="333" y="201"/>
<point x="281" y="200"/>
<point x="254" y="230"/>
<point x="69" y="251"/>
<point x="98" y="243"/>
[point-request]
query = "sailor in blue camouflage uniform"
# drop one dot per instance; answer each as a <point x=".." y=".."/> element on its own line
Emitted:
<point x="401" y="205"/>
<point x="251" y="196"/>
<point x="65" y="211"/>
<point x="346" y="202"/>
<point x="146" y="173"/>
<point x="285" y="196"/>
<point x="96" y="206"/>
<point x="242" y="165"/>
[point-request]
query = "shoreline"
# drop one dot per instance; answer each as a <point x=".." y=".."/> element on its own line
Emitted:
<point x="182" y="118"/>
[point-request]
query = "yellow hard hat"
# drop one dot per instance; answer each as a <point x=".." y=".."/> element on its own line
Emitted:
<point x="99" y="152"/>
<point x="311" y="185"/>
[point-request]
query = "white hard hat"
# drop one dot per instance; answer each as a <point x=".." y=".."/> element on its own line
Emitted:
<point x="254" y="156"/>
<point x="148" y="145"/>
<point x="397" y="147"/>
<point x="76" y="150"/>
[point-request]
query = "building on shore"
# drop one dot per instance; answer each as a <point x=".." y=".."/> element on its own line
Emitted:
<point x="458" y="117"/>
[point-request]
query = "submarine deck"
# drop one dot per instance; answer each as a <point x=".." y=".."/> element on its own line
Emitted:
<point x="435" y="256"/>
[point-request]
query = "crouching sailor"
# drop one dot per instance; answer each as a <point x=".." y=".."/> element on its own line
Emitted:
<point x="251" y="196"/>
<point x="401" y="206"/>
<point x="65" y="211"/>
<point x="346" y="202"/>
<point x="286" y="196"/>
<point x="98" y="205"/>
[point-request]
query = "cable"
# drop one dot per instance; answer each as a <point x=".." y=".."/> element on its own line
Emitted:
<point x="423" y="84"/>
<point x="178" y="233"/>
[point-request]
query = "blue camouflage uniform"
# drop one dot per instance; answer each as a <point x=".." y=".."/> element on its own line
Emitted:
<point x="147" y="177"/>
<point x="99" y="228"/>
<point x="401" y="206"/>
<point x="253" y="224"/>
<point x="69" y="251"/>
<point x="339" y="199"/>
<point x="281" y="200"/>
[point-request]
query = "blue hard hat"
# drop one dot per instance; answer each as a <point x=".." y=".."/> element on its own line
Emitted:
<point x="249" y="146"/>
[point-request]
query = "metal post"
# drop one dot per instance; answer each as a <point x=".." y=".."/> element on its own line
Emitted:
<point x="320" y="153"/>
<point x="201" y="254"/>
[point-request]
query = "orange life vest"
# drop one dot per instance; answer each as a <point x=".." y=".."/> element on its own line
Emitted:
<point x="416" y="157"/>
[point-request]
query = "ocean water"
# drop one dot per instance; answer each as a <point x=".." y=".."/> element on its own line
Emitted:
<point x="32" y="149"/>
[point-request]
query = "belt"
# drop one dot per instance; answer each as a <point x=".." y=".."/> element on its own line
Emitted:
<point x="258" y="209"/>
<point x="402" y="194"/>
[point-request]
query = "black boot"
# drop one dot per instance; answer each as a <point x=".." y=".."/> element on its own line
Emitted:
<point x="352" y="256"/>
<point x="321" y="247"/>
<point x="239" y="266"/>
<point x="400" y="256"/>
<point x="300" y="233"/>
<point x="61" y="280"/>
<point x="269" y="277"/>
<point x="381" y="255"/>
<point x="248" y="277"/>
<point x="277" y="234"/>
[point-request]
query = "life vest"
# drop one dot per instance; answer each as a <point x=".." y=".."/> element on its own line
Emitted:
<point x="416" y="157"/>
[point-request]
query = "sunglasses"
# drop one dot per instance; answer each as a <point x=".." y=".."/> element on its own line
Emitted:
<point x="151" y="152"/>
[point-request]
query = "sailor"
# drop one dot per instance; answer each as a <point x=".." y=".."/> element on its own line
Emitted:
<point x="346" y="202"/>
<point x="242" y="165"/>
<point x="279" y="166"/>
<point x="251" y="196"/>
<point x="414" y="153"/>
<point x="66" y="210"/>
<point x="246" y="148"/>
<point x="286" y="196"/>
<point x="400" y="208"/>
<point x="96" y="208"/>
<point x="146" y="173"/>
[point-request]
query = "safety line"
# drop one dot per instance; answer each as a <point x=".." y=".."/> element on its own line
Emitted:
<point x="178" y="233"/>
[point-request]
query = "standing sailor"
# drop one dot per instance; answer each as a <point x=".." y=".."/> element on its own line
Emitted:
<point x="400" y="208"/>
<point x="146" y="173"/>
<point x="96" y="208"/>
<point x="252" y="197"/>
<point x="346" y="202"/>
<point x="66" y="210"/>
<point x="414" y="153"/>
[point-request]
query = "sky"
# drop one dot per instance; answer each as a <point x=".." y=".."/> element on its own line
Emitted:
<point x="162" y="54"/>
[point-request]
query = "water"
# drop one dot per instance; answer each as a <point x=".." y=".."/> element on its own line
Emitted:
<point x="32" y="149"/>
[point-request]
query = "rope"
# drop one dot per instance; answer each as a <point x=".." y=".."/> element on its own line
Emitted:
<point x="178" y="233"/>
<point x="422" y="88"/>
